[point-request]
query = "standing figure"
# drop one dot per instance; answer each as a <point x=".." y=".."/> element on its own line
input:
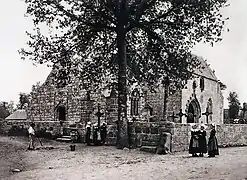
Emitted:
<point x="88" y="133"/>
<point x="202" y="140"/>
<point x="31" y="134"/>
<point x="103" y="132"/>
<point x="61" y="127"/>
<point x="213" y="148"/>
<point x="194" y="141"/>
<point x="96" y="135"/>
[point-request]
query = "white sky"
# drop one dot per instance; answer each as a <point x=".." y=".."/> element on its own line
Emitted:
<point x="228" y="58"/>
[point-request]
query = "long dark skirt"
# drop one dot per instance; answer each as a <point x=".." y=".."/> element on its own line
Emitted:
<point x="88" y="141"/>
<point x="203" y="142"/>
<point x="88" y="134"/>
<point x="194" y="143"/>
<point x="213" y="148"/>
<point x="194" y="146"/>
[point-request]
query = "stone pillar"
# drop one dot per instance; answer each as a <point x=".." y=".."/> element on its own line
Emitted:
<point x="165" y="143"/>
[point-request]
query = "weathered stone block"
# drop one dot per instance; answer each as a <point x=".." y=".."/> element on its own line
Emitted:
<point x="154" y="130"/>
<point x="138" y="129"/>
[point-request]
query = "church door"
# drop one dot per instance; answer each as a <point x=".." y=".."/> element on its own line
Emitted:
<point x="193" y="112"/>
<point x="61" y="113"/>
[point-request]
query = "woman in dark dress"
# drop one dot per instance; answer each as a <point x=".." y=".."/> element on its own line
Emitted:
<point x="213" y="148"/>
<point x="202" y="140"/>
<point x="194" y="141"/>
<point x="103" y="132"/>
<point x="88" y="133"/>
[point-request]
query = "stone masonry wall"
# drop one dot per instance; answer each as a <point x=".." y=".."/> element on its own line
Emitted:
<point x="143" y="132"/>
<point x="227" y="135"/>
<point x="174" y="104"/>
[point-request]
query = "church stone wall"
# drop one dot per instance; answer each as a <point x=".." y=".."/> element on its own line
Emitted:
<point x="156" y="101"/>
<point x="211" y="90"/>
<point x="174" y="104"/>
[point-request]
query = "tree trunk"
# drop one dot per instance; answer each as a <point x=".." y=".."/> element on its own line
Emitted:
<point x="122" y="134"/>
<point x="166" y="89"/>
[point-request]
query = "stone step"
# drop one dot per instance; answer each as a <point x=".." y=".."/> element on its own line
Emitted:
<point x="150" y="149"/>
<point x="61" y="139"/>
<point x="150" y="143"/>
<point x="68" y="137"/>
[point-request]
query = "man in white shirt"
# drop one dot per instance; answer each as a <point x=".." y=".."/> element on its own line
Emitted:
<point x="31" y="134"/>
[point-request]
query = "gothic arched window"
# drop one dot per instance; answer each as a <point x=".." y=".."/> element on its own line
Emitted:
<point x="134" y="102"/>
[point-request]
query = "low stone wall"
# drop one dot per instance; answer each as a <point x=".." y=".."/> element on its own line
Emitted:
<point x="227" y="135"/>
<point x="180" y="137"/>
<point x="52" y="127"/>
<point x="148" y="133"/>
<point x="232" y="134"/>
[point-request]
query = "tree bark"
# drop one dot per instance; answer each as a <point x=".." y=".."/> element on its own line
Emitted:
<point x="166" y="89"/>
<point x="122" y="134"/>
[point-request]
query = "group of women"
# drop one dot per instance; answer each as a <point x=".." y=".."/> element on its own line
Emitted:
<point x="96" y="134"/>
<point x="198" y="142"/>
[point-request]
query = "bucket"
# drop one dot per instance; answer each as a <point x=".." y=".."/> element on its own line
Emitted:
<point x="72" y="147"/>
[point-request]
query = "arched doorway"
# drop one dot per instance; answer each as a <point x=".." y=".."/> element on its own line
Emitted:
<point x="193" y="111"/>
<point x="61" y="112"/>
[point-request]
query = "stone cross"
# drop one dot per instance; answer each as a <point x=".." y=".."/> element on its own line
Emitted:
<point x="173" y="116"/>
<point x="181" y="114"/>
<point x="99" y="114"/>
<point x="207" y="113"/>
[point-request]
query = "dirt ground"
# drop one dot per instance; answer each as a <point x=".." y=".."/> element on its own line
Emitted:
<point x="108" y="163"/>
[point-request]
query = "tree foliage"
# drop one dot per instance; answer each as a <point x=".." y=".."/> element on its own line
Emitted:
<point x="23" y="100"/>
<point x="4" y="112"/>
<point x="234" y="105"/>
<point x="122" y="41"/>
<point x="159" y="35"/>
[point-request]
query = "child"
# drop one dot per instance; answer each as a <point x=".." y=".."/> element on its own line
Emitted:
<point x="31" y="134"/>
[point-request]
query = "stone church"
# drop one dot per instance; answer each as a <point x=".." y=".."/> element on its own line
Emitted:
<point x="74" y="105"/>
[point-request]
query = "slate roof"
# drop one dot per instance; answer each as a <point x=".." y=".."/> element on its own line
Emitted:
<point x="18" y="115"/>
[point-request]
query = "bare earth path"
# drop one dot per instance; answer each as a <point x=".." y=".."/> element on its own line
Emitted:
<point x="108" y="163"/>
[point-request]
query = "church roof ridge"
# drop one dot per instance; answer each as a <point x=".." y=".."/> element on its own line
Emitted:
<point x="205" y="69"/>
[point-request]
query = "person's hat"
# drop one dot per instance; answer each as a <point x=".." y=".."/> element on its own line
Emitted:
<point x="193" y="126"/>
<point x="203" y="125"/>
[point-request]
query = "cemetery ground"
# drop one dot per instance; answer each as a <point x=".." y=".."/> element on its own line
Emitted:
<point x="107" y="162"/>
